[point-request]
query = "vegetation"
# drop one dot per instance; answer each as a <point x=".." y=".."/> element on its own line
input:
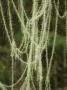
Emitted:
<point x="33" y="44"/>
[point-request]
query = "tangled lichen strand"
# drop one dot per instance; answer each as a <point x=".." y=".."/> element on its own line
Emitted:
<point x="2" y="87"/>
<point x="34" y="41"/>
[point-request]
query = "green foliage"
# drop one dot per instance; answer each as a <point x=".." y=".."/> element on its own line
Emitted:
<point x="60" y="40"/>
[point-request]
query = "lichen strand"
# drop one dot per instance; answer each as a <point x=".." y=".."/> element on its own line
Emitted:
<point x="34" y="41"/>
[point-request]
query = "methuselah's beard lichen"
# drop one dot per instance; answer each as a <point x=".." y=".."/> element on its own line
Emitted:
<point x="34" y="41"/>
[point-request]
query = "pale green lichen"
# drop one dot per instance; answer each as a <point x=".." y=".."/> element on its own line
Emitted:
<point x="34" y="41"/>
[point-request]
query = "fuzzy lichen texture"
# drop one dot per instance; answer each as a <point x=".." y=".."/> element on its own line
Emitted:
<point x="34" y="41"/>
